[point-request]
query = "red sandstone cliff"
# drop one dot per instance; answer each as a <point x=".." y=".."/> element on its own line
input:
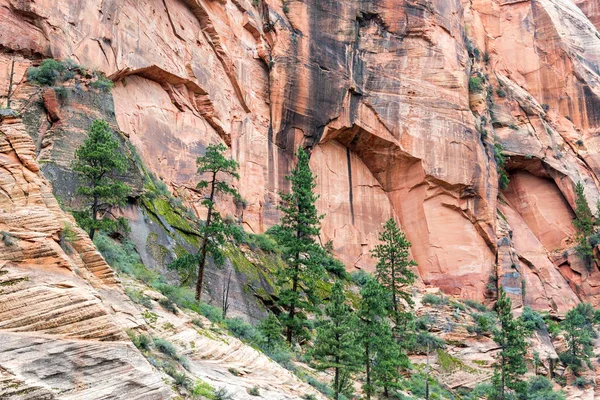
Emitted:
<point x="379" y="91"/>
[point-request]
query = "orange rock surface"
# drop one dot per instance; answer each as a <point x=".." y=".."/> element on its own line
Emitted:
<point x="378" y="91"/>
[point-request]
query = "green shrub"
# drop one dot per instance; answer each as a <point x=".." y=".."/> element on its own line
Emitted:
<point x="47" y="73"/>
<point x="435" y="300"/>
<point x="138" y="297"/>
<point x="7" y="238"/>
<point x="202" y="389"/>
<point x="532" y="320"/>
<point x="580" y="382"/>
<point x="61" y="92"/>
<point x="320" y="386"/>
<point x="281" y="355"/>
<point x="545" y="107"/>
<point x="475" y="305"/>
<point x="102" y="83"/>
<point x="241" y="329"/>
<point x="253" y="391"/>
<point x="360" y="277"/>
<point x="123" y="257"/>
<point x="266" y="243"/>
<point x="500" y="93"/>
<point x="211" y="312"/>
<point x="222" y="394"/>
<point x="198" y="322"/>
<point x="180" y="378"/>
<point x="484" y="323"/>
<point x="540" y="388"/>
<point x="475" y="84"/>
<point x="141" y="341"/>
<point x="168" y="305"/>
<point x="165" y="347"/>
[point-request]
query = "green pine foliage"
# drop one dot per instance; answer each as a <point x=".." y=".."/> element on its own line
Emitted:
<point x="215" y="231"/>
<point x="578" y="326"/>
<point x="298" y="234"/>
<point x="584" y="225"/>
<point x="510" y="364"/>
<point x="393" y="268"/>
<point x="271" y="331"/>
<point x="98" y="163"/>
<point x="335" y="345"/>
<point x="381" y="354"/>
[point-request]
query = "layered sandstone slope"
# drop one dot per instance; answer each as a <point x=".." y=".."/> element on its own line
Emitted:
<point x="379" y="91"/>
<point x="58" y="296"/>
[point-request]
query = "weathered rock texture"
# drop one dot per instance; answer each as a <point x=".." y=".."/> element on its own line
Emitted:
<point x="59" y="297"/>
<point x="379" y="91"/>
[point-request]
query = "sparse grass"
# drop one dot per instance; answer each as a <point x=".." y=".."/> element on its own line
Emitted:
<point x="435" y="300"/>
<point x="138" y="297"/>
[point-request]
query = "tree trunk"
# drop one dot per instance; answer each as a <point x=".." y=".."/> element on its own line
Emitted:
<point x="205" y="239"/>
<point x="225" y="297"/>
<point x="368" y="371"/>
<point x="337" y="380"/>
<point x="427" y="375"/>
<point x="289" y="330"/>
<point x="94" y="218"/>
<point x="10" y="83"/>
<point x="502" y="385"/>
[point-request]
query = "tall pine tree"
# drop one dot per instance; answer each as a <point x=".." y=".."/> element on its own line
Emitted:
<point x="299" y="229"/>
<point x="393" y="271"/>
<point x="381" y="354"/>
<point x="393" y="268"/>
<point x="511" y="336"/>
<point x="335" y="345"/>
<point x="219" y="170"/>
<point x="584" y="224"/>
<point x="98" y="163"/>
<point x="579" y="332"/>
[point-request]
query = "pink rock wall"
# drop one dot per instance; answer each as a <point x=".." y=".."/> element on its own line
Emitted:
<point x="376" y="89"/>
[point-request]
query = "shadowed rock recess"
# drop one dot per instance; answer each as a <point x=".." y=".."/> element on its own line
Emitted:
<point x="401" y="103"/>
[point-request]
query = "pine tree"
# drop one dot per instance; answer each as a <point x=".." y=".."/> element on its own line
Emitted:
<point x="393" y="268"/>
<point x="271" y="330"/>
<point x="511" y="336"/>
<point x="578" y="326"/>
<point x="214" y="232"/>
<point x="335" y="345"/>
<point x="297" y="234"/>
<point x="380" y="352"/>
<point x="584" y="224"/>
<point x="98" y="162"/>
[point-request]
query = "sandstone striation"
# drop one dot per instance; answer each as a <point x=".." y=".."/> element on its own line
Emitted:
<point x="405" y="107"/>
<point x="58" y="297"/>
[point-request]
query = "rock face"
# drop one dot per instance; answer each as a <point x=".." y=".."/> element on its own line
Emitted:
<point x="382" y="93"/>
<point x="58" y="296"/>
